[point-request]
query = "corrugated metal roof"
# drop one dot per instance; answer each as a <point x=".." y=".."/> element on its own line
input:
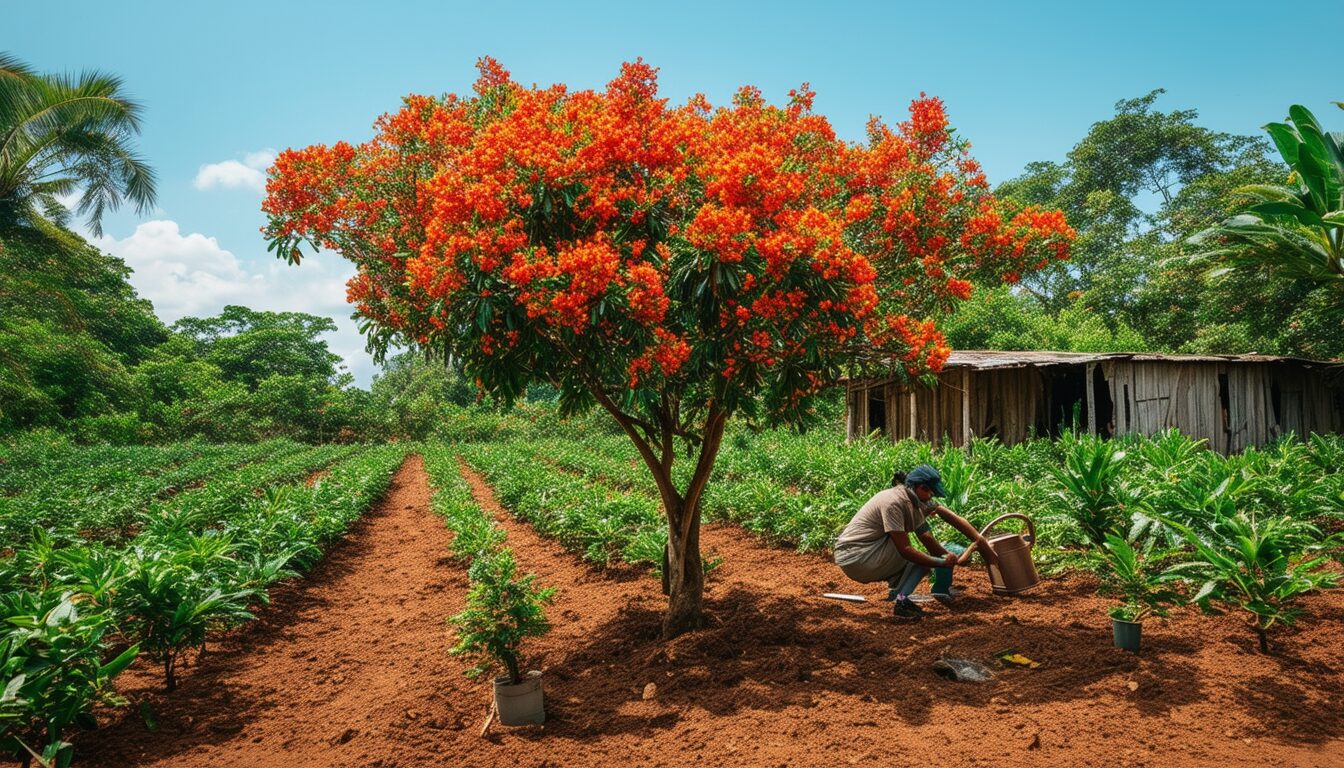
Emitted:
<point x="987" y="359"/>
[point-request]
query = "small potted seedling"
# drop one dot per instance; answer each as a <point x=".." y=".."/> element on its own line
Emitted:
<point x="1143" y="584"/>
<point x="502" y="610"/>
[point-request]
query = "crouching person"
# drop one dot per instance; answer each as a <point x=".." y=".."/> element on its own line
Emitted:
<point x="876" y="545"/>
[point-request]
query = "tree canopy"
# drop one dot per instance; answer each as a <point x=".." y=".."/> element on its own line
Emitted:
<point x="1137" y="187"/>
<point x="1296" y="229"/>
<point x="251" y="346"/>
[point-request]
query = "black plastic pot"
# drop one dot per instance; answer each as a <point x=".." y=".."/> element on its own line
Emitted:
<point x="1127" y="634"/>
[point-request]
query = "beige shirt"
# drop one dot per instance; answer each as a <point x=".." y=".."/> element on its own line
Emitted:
<point x="895" y="509"/>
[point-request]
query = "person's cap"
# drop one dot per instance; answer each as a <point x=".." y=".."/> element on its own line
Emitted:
<point x="925" y="474"/>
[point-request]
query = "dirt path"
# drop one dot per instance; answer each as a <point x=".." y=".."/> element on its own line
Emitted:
<point x="345" y="668"/>
<point x="349" y="668"/>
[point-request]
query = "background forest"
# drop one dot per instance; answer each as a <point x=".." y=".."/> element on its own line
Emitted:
<point x="83" y="354"/>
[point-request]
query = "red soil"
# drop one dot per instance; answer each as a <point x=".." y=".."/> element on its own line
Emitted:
<point x="349" y="668"/>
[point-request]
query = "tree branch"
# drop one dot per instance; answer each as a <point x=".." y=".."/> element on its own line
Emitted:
<point x="709" y="449"/>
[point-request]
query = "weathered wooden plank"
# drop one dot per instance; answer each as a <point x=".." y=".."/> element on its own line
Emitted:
<point x="1091" y="398"/>
<point x="965" y="406"/>
<point x="914" y="421"/>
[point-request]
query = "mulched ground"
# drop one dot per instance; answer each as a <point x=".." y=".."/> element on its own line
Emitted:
<point x="349" y="667"/>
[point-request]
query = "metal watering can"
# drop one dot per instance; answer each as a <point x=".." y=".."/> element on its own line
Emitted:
<point x="1015" y="572"/>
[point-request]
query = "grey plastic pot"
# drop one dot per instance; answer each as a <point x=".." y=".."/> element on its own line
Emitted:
<point x="520" y="704"/>
<point x="1127" y="634"/>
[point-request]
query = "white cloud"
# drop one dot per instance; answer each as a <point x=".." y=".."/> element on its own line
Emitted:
<point x="192" y="275"/>
<point x="71" y="200"/>
<point x="232" y="174"/>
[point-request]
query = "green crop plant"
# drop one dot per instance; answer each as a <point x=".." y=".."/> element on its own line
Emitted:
<point x="171" y="603"/>
<point x="503" y="609"/>
<point x="1095" y="493"/>
<point x="53" y="669"/>
<point x="1259" y="564"/>
<point x="1141" y="579"/>
<point x="959" y="477"/>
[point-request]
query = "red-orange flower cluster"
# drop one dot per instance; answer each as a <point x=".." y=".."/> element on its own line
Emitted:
<point x="609" y="238"/>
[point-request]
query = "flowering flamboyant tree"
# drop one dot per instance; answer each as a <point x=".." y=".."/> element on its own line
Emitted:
<point x="674" y="265"/>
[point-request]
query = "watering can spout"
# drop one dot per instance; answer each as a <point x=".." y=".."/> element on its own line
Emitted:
<point x="1015" y="572"/>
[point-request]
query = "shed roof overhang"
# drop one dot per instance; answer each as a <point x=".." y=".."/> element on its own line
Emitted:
<point x="984" y="360"/>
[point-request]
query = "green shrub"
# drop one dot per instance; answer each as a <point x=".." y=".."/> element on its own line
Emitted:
<point x="1259" y="564"/>
<point x="1140" y="579"/>
<point x="52" y="670"/>
<point x="502" y="610"/>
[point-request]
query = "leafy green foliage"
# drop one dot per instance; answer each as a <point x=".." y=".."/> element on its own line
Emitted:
<point x="412" y="391"/>
<point x="59" y="134"/>
<point x="201" y="559"/>
<point x="53" y="669"/>
<point x="1139" y="578"/>
<point x="172" y="597"/>
<point x="598" y="521"/>
<point x="1259" y="564"/>
<point x="502" y="610"/>
<point x="1095" y="492"/>
<point x="1294" y="230"/>
<point x="1137" y="187"/>
<point x="474" y="533"/>
<point x="81" y="353"/>
<point x="1003" y="319"/>
<point x="71" y="328"/>
<point x="251" y="346"/>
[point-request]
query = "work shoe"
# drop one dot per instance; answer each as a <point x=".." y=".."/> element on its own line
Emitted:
<point x="905" y="609"/>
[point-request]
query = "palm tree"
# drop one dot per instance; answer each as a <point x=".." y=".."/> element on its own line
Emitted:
<point x="1296" y="229"/>
<point x="60" y="135"/>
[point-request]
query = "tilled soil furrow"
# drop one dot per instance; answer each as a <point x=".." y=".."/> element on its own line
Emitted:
<point x="345" y="667"/>
<point x="780" y="676"/>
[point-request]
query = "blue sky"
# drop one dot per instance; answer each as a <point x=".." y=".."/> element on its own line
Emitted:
<point x="226" y="84"/>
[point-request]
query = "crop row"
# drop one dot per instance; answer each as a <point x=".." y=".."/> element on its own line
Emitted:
<point x="801" y="490"/>
<point x="193" y="569"/>
<point x="503" y="608"/>
<point x="1161" y="520"/>
<point x="595" y="519"/>
<point x="36" y="462"/>
<point x="82" y="501"/>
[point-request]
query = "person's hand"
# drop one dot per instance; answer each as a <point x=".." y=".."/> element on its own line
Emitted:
<point x="949" y="560"/>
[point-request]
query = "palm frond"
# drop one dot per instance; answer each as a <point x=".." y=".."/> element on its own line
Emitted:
<point x="59" y="132"/>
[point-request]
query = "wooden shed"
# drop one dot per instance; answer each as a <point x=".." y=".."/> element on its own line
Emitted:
<point x="1232" y="401"/>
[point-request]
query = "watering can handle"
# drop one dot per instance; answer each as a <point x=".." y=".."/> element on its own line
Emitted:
<point x="1030" y="538"/>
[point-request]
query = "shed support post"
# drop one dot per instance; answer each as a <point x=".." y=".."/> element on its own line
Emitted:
<point x="914" y="426"/>
<point x="965" y="407"/>
<point x="1091" y="396"/>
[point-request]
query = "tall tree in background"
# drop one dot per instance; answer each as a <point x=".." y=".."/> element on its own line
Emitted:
<point x="251" y="345"/>
<point x="1123" y="188"/>
<point x="61" y="135"/>
<point x="1137" y="187"/>
<point x="675" y="266"/>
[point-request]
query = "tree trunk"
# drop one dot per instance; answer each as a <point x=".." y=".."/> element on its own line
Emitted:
<point x="683" y="573"/>
<point x="169" y="672"/>
<point x="685" y="577"/>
